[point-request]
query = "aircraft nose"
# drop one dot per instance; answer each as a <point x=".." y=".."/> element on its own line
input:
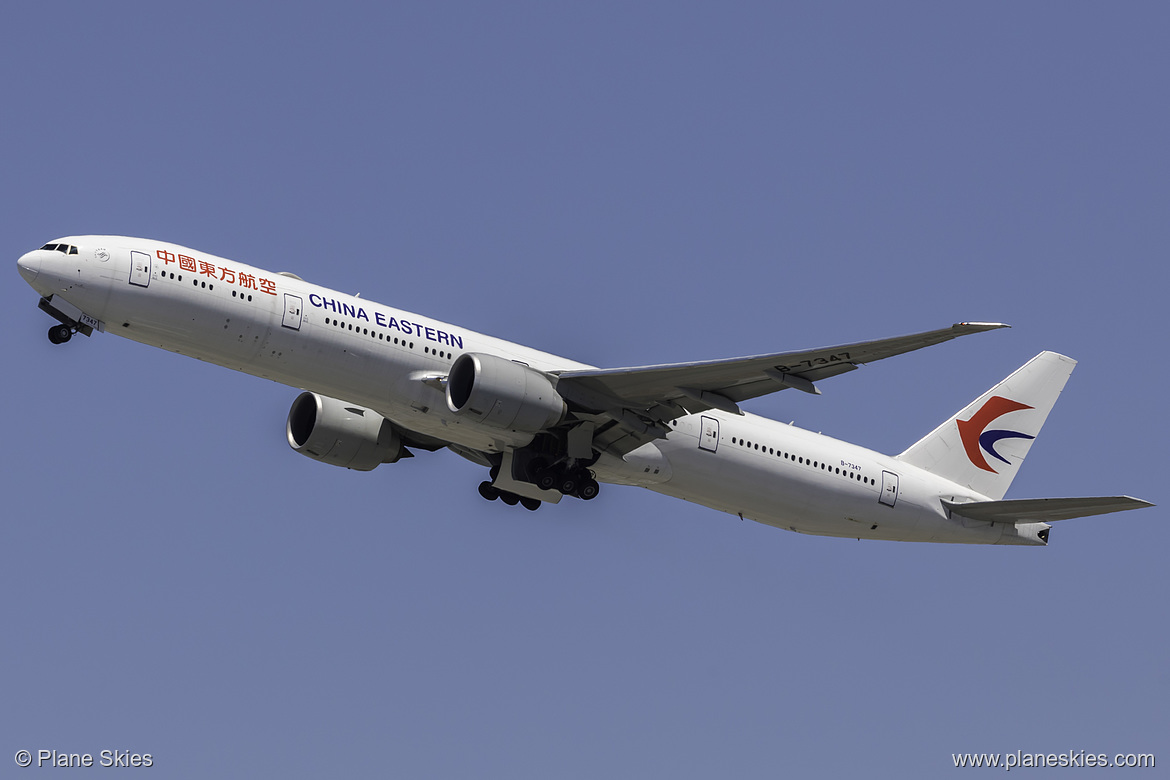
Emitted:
<point x="30" y="266"/>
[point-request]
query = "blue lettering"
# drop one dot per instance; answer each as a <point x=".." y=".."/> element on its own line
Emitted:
<point x="404" y="326"/>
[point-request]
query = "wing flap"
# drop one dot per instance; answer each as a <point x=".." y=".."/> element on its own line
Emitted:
<point x="1044" y="510"/>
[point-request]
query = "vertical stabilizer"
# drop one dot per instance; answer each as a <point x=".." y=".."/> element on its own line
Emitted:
<point x="983" y="446"/>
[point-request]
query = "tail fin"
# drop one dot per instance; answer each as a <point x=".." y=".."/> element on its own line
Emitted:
<point x="966" y="448"/>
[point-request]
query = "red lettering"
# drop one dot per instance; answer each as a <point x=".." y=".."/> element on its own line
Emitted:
<point x="165" y="256"/>
<point x="247" y="280"/>
<point x="187" y="263"/>
<point x="268" y="286"/>
<point x="206" y="268"/>
<point x="225" y="273"/>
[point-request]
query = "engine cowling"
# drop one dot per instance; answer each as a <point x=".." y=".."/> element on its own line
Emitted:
<point x="503" y="394"/>
<point x="341" y="434"/>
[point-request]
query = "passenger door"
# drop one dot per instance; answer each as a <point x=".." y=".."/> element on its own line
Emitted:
<point x="292" y="311"/>
<point x="889" y="495"/>
<point x="709" y="435"/>
<point x="139" y="269"/>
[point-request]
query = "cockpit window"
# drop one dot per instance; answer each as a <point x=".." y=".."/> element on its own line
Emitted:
<point x="66" y="249"/>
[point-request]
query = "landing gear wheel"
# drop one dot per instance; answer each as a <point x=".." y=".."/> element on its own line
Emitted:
<point x="489" y="491"/>
<point x="511" y="499"/>
<point x="568" y="484"/>
<point x="531" y="504"/>
<point x="547" y="479"/>
<point x="59" y="334"/>
<point x="588" y="490"/>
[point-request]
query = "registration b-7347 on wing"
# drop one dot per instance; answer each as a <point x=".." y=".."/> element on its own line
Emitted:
<point x="380" y="384"/>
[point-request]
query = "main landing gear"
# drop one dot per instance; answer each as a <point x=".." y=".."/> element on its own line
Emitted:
<point x="569" y="478"/>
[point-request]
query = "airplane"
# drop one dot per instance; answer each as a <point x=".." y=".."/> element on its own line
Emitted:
<point x="380" y="383"/>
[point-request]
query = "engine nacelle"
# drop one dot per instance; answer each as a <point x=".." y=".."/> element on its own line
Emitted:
<point x="341" y="434"/>
<point x="503" y="394"/>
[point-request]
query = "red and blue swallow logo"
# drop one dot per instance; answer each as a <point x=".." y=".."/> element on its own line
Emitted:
<point x="977" y="439"/>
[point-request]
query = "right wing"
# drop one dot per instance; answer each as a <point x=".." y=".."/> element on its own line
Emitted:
<point x="637" y="401"/>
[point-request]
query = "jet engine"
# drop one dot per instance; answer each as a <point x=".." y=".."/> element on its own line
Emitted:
<point x="341" y="434"/>
<point x="503" y="394"/>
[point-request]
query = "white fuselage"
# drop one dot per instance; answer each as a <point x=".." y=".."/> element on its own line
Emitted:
<point x="299" y="334"/>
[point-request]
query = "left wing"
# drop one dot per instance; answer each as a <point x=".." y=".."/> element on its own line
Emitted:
<point x="636" y="401"/>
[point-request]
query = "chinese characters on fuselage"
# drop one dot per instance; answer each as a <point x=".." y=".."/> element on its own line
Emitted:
<point x="225" y="274"/>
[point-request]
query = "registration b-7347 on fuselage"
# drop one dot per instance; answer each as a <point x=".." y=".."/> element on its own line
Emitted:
<point x="380" y="384"/>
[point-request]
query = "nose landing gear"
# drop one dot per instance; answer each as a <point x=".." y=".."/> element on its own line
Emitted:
<point x="59" y="334"/>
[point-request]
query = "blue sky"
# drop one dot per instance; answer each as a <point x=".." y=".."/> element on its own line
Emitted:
<point x="622" y="184"/>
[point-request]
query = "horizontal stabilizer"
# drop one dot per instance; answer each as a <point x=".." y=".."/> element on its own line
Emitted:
<point x="1044" y="510"/>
